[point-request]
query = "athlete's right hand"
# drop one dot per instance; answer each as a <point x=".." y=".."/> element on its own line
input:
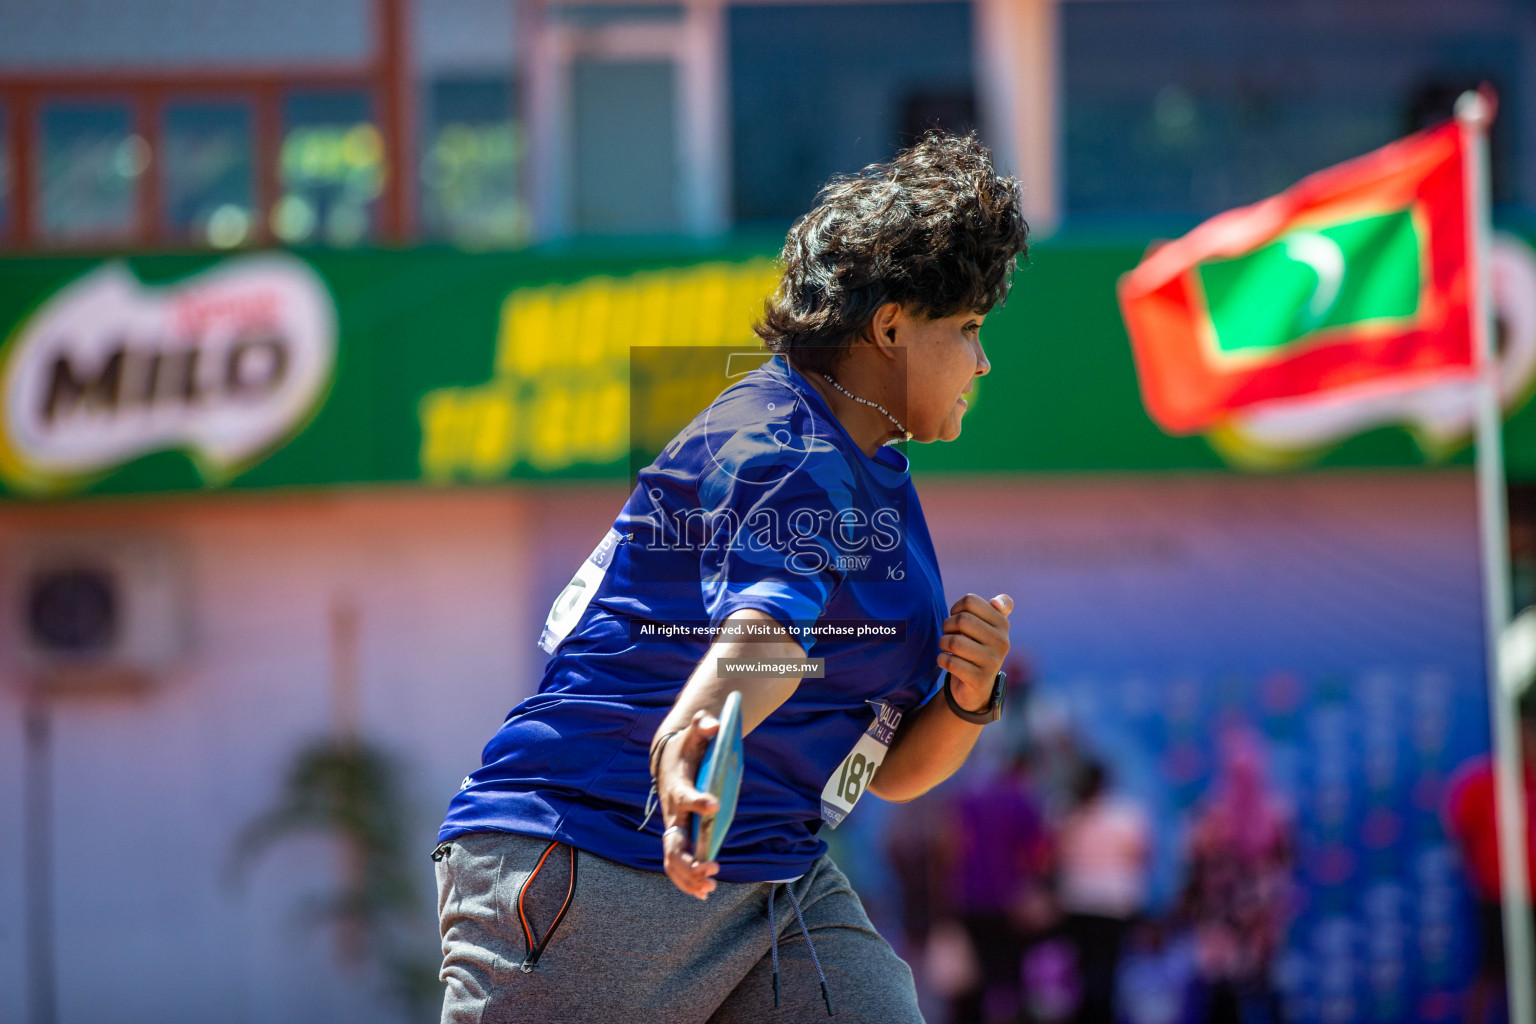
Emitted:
<point x="680" y="801"/>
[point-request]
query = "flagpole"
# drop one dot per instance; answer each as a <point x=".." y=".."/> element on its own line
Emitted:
<point x="1473" y="113"/>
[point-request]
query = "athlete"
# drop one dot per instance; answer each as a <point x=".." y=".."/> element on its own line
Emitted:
<point x="779" y="528"/>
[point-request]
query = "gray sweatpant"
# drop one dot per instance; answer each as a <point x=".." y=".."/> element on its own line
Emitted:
<point x="628" y="946"/>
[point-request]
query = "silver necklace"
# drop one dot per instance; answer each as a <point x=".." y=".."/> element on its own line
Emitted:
<point x="906" y="434"/>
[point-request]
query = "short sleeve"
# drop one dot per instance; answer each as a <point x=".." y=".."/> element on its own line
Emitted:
<point x="769" y="532"/>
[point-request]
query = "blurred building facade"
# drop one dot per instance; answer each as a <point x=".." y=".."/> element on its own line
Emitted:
<point x="470" y="210"/>
<point x="496" y="123"/>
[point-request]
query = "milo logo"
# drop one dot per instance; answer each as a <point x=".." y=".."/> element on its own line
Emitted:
<point x="224" y="365"/>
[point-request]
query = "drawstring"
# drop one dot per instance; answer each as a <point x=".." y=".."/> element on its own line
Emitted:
<point x="794" y="901"/>
<point x="825" y="995"/>
<point x="773" y="932"/>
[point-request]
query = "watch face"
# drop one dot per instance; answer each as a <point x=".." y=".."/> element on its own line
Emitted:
<point x="999" y="691"/>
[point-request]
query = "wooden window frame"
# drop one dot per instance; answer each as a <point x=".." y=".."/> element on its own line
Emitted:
<point x="384" y="76"/>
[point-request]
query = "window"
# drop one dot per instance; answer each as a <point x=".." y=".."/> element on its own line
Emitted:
<point x="208" y="176"/>
<point x="469" y="164"/>
<point x="91" y="164"/>
<point x="625" y="146"/>
<point x="330" y="170"/>
<point x="627" y="120"/>
<point x="832" y="87"/>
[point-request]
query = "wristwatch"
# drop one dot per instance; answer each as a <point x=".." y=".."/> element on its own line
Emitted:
<point x="991" y="713"/>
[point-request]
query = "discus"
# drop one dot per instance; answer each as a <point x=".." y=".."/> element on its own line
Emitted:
<point x="720" y="776"/>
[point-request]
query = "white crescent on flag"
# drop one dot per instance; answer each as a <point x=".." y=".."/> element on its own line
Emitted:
<point x="1326" y="259"/>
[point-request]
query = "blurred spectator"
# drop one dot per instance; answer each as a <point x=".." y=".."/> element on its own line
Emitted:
<point x="999" y="850"/>
<point x="1104" y="847"/>
<point x="1472" y="823"/>
<point x="1238" y="890"/>
<point x="1155" y="975"/>
<point x="915" y="845"/>
<point x="1058" y="759"/>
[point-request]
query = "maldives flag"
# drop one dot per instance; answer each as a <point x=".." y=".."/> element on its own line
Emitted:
<point x="1357" y="277"/>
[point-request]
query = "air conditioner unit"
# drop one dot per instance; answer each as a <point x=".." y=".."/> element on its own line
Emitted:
<point x="100" y="607"/>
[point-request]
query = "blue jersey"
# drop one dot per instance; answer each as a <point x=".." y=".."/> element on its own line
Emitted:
<point x="762" y="502"/>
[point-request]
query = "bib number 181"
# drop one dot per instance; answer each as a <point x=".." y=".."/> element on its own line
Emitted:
<point x="858" y="772"/>
<point x="854" y="776"/>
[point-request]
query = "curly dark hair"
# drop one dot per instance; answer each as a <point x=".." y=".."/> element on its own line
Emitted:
<point x="937" y="229"/>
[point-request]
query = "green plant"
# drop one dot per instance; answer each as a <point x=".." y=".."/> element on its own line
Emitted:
<point x="349" y="790"/>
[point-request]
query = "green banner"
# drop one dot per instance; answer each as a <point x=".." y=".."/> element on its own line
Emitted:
<point x="169" y="373"/>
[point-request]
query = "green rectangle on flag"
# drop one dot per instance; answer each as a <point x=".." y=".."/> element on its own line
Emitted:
<point x="1314" y="279"/>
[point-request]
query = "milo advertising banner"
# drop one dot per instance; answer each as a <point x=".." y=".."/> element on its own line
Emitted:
<point x="223" y="366"/>
<point x="430" y="367"/>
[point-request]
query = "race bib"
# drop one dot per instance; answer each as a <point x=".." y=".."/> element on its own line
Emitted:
<point x="573" y="600"/>
<point x="858" y="769"/>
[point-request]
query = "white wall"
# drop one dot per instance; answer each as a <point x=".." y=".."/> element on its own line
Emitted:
<point x="462" y="37"/>
<point x="151" y="791"/>
<point x="444" y="36"/>
<point x="117" y="34"/>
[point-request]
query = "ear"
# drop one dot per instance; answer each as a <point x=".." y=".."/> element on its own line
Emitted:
<point x="884" y="328"/>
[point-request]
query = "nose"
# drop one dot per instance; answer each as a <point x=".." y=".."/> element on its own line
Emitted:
<point x="983" y="364"/>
